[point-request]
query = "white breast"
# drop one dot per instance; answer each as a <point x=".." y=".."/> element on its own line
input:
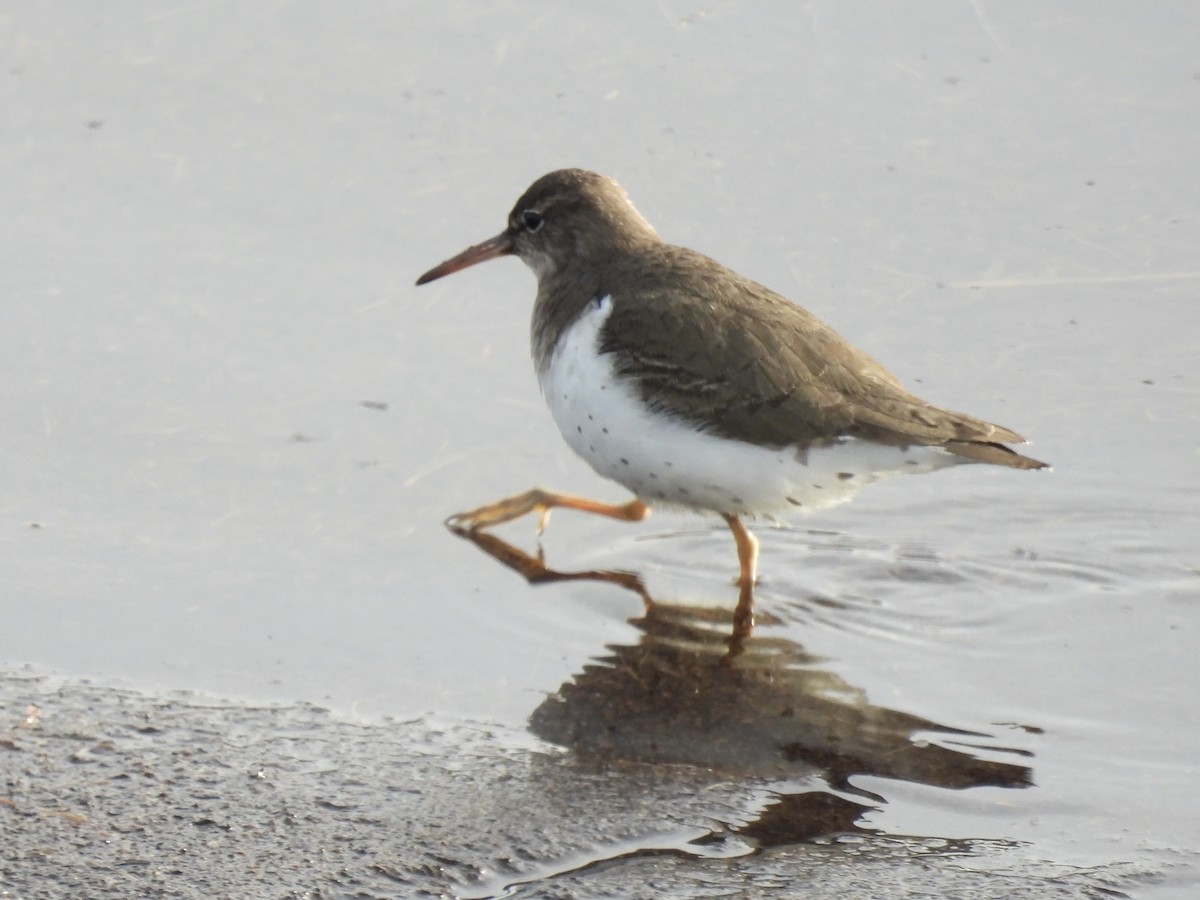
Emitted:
<point x="665" y="460"/>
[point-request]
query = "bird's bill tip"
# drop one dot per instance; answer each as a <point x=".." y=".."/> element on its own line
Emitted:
<point x="500" y="245"/>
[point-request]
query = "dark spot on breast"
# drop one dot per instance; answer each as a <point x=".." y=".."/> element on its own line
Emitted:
<point x="794" y="501"/>
<point x="591" y="448"/>
<point x="579" y="428"/>
<point x="667" y="464"/>
<point x="845" y="476"/>
<point x="605" y="430"/>
<point x="654" y="475"/>
<point x="624" y="461"/>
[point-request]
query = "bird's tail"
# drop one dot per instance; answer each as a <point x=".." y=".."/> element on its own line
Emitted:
<point x="996" y="454"/>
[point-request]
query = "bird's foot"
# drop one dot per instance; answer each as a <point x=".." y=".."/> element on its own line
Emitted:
<point x="541" y="502"/>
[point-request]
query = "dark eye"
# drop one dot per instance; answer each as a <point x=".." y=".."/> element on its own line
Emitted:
<point x="532" y="220"/>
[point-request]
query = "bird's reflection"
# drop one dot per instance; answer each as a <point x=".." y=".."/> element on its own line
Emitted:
<point x="676" y="696"/>
<point x="770" y="711"/>
<point x="534" y="570"/>
<point x="700" y="688"/>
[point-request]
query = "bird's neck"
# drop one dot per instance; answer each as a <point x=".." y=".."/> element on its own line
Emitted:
<point x="561" y="298"/>
<point x="566" y="291"/>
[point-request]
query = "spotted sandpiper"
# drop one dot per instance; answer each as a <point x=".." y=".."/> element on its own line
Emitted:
<point x="695" y="387"/>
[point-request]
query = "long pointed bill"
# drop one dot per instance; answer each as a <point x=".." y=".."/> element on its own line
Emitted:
<point x="500" y="245"/>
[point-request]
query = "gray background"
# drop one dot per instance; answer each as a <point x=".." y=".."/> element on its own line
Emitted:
<point x="213" y="217"/>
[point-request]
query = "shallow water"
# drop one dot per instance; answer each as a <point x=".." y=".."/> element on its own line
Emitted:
<point x="232" y="426"/>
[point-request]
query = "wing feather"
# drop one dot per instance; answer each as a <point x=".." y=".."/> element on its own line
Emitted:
<point x="767" y="371"/>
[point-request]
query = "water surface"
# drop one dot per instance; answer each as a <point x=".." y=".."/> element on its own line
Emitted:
<point x="232" y="427"/>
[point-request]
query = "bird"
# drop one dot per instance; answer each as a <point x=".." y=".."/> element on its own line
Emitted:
<point x="695" y="387"/>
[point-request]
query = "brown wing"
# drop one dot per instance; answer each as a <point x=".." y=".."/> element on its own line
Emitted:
<point x="741" y="361"/>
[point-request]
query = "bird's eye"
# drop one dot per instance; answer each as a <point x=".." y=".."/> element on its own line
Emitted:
<point x="532" y="220"/>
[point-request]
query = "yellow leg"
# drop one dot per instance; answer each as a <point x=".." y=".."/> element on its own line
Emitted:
<point x="540" y="501"/>
<point x="747" y="549"/>
<point x="743" y="616"/>
<point x="473" y="526"/>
